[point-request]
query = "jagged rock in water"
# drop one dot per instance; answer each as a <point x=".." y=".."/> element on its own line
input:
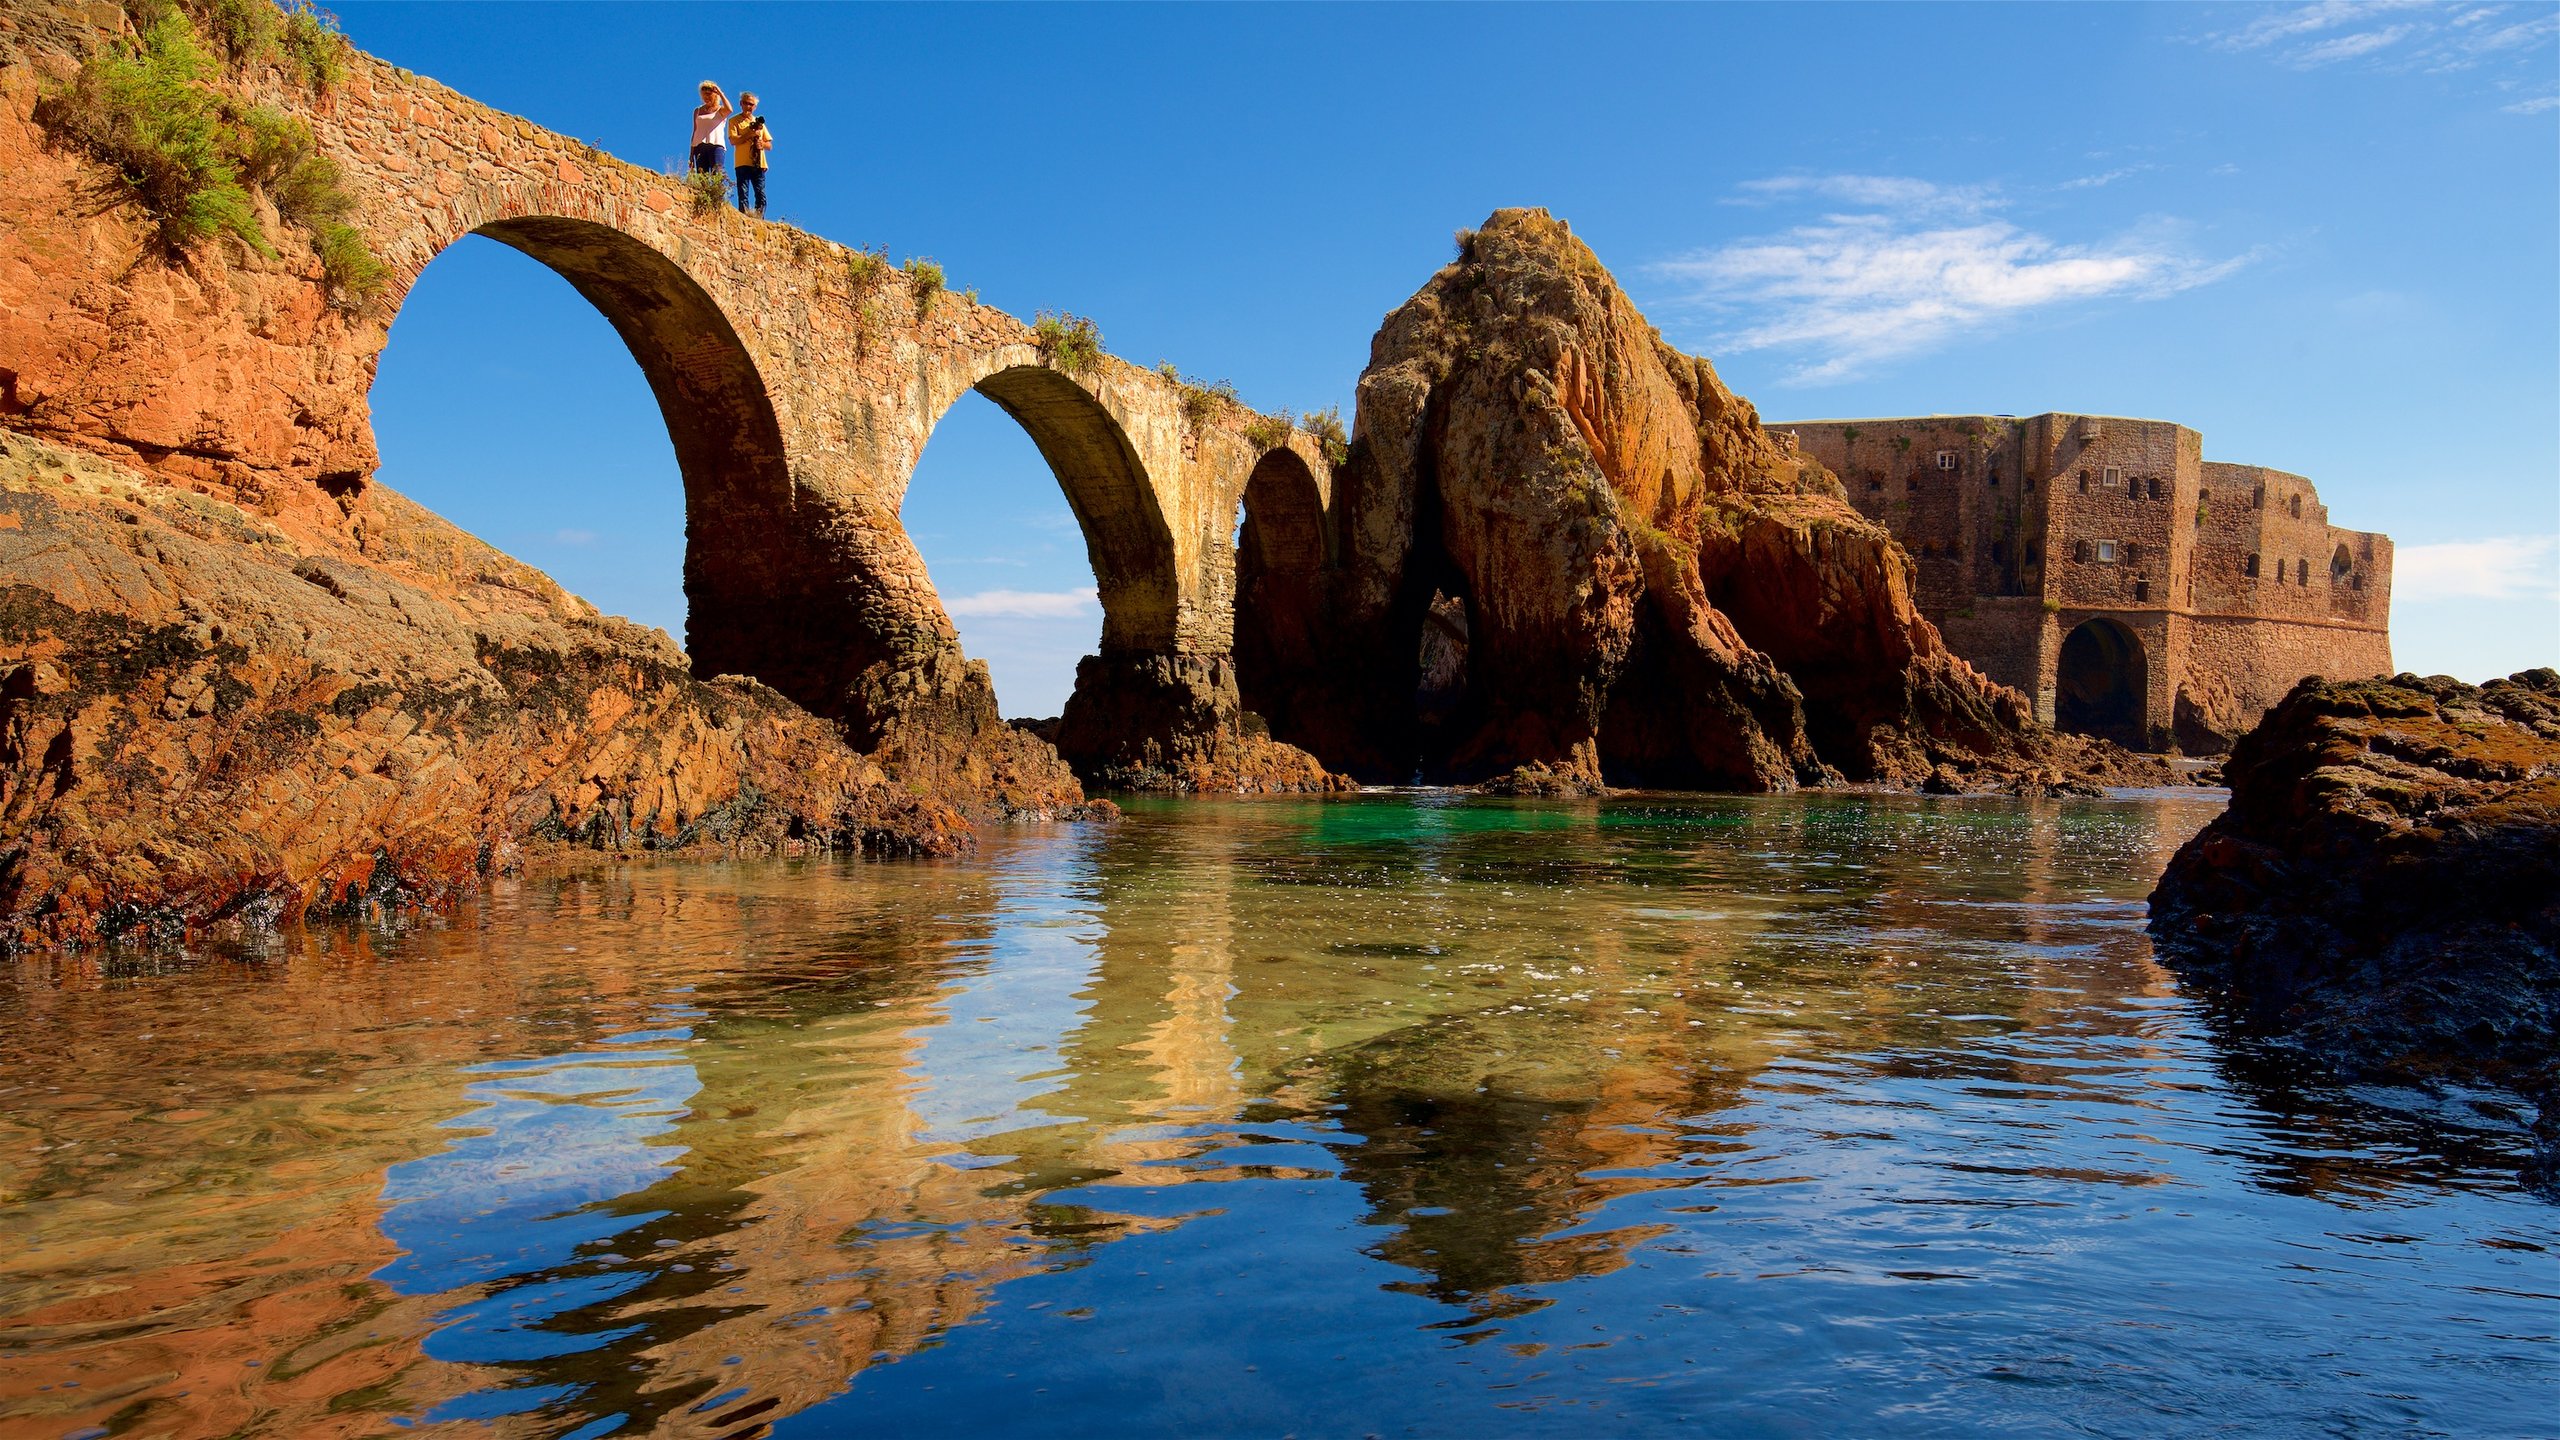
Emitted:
<point x="2385" y="888"/>
<point x="1173" y="724"/>
<point x="1651" y="589"/>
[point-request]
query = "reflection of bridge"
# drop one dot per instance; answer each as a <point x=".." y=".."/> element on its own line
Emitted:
<point x="799" y="385"/>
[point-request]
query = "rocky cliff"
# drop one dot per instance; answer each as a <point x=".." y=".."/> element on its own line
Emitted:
<point x="1645" y="585"/>
<point x="210" y="711"/>
<point x="2385" y="888"/>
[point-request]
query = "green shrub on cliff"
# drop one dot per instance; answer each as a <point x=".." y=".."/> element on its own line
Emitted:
<point x="707" y="191"/>
<point x="299" y="35"/>
<point x="1069" y="343"/>
<point x="865" y="268"/>
<point x="313" y="46"/>
<point x="356" y="276"/>
<point x="1270" y="432"/>
<point x="924" y="281"/>
<point x="150" y="114"/>
<point x="1326" y="426"/>
<point x="189" y="156"/>
<point x="243" y="30"/>
<point x="1202" y="399"/>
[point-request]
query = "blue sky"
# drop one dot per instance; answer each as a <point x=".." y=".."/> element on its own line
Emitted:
<point x="2327" y="236"/>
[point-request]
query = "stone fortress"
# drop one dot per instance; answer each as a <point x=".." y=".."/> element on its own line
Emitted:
<point x="2130" y="587"/>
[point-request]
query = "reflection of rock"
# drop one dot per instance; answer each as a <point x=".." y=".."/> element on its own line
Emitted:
<point x="1482" y="1144"/>
<point x="1656" y="590"/>
<point x="2386" y="884"/>
<point x="211" y="707"/>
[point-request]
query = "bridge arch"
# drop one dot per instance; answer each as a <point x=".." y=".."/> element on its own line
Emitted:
<point x="1280" y="559"/>
<point x="2101" y="682"/>
<point x="771" y="589"/>
<point x="1106" y="483"/>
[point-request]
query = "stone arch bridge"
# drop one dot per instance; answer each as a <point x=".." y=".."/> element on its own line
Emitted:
<point x="799" y="388"/>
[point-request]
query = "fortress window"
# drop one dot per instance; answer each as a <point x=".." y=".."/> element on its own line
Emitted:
<point x="2253" y="567"/>
<point x="2258" y="498"/>
<point x="2106" y="552"/>
<point x="2027" y="484"/>
<point x="1875" y="483"/>
<point x="2155" y="487"/>
<point x="1946" y="459"/>
<point x="2033" y="553"/>
<point x="2080" y="550"/>
<point x="2302" y="572"/>
<point x="2297" y="507"/>
<point x="2113" y="477"/>
<point x="1991" y="476"/>
<point x="2132" y="551"/>
<point x="1999" y="551"/>
<point x="2141" y="590"/>
<point x="2084" y="482"/>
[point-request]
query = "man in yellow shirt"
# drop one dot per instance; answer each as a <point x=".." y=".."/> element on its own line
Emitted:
<point x="751" y="139"/>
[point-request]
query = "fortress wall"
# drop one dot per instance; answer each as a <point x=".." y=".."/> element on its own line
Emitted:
<point x="2138" y="510"/>
<point x="2007" y="551"/>
<point x="2238" y="667"/>
<point x="2010" y="638"/>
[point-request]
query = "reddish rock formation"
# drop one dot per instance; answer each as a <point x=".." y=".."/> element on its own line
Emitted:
<point x="2385" y="887"/>
<point x="1650" y="588"/>
<point x="210" y="710"/>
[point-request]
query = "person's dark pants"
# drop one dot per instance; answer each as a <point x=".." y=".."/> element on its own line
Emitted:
<point x="751" y="177"/>
<point x="708" y="158"/>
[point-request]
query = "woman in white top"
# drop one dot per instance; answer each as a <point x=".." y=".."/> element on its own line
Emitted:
<point x="711" y="130"/>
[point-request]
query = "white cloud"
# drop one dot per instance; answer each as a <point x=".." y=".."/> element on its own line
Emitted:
<point x="2106" y="177"/>
<point x="2348" y="47"/>
<point x="1025" y="604"/>
<point x="2394" y="35"/>
<point x="1852" y="291"/>
<point x="574" y="537"/>
<point x="2278" y="27"/>
<point x="2506" y="567"/>
<point x="2534" y="106"/>
<point x="1889" y="192"/>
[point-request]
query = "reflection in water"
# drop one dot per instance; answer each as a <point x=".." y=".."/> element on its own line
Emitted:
<point x="1393" y="1114"/>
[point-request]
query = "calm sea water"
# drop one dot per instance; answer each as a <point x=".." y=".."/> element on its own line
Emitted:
<point x="1389" y="1115"/>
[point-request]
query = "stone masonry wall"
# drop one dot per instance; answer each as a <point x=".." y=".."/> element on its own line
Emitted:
<point x="2230" y="577"/>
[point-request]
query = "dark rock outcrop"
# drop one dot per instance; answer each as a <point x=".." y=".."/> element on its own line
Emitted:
<point x="1173" y="723"/>
<point x="2385" y="888"/>
<point x="1648" y="588"/>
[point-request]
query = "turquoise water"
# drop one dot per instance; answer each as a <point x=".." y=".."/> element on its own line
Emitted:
<point x="1392" y="1114"/>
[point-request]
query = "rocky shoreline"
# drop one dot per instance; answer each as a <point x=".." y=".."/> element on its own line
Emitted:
<point x="2384" y="891"/>
<point x="210" y="712"/>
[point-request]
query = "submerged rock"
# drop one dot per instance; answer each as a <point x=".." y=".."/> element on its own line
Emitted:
<point x="2385" y="888"/>
<point x="1649" y="588"/>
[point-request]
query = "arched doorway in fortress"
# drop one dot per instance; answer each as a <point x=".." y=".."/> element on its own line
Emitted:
<point x="2100" y="683"/>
